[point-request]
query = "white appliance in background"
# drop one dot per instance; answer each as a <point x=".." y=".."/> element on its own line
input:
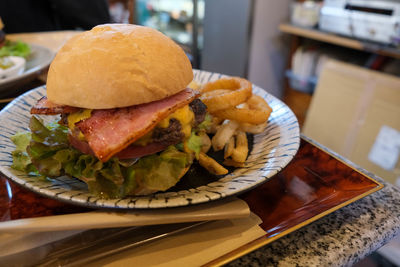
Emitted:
<point x="305" y="14"/>
<point x="375" y="20"/>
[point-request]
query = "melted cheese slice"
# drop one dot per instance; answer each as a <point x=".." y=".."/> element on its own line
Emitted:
<point x="184" y="115"/>
<point x="77" y="117"/>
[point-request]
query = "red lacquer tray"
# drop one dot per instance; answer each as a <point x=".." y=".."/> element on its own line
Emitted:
<point x="314" y="184"/>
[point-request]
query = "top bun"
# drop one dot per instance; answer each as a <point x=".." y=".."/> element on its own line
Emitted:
<point x="117" y="65"/>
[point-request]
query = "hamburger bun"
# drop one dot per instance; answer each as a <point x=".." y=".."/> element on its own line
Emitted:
<point x="117" y="65"/>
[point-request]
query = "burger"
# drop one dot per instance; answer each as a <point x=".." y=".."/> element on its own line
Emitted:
<point x="127" y="124"/>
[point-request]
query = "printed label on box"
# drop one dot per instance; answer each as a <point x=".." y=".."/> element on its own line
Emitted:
<point x="386" y="149"/>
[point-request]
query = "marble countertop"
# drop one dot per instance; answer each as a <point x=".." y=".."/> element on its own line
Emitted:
<point x="341" y="238"/>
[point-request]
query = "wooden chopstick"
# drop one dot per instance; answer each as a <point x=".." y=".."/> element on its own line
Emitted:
<point x="6" y="100"/>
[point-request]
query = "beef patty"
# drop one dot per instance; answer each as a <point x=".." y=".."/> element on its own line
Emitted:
<point x="173" y="133"/>
<point x="168" y="136"/>
<point x="199" y="109"/>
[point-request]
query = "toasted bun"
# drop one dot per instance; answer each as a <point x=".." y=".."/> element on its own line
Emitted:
<point x="117" y="65"/>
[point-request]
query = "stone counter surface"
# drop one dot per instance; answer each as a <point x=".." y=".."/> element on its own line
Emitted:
<point x="341" y="238"/>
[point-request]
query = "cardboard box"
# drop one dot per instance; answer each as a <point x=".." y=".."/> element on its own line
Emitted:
<point x="356" y="113"/>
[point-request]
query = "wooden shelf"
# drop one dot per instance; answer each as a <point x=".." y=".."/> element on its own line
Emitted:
<point x="300" y="101"/>
<point x="340" y="40"/>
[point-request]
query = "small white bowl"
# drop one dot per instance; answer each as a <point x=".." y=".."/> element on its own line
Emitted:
<point x="16" y="69"/>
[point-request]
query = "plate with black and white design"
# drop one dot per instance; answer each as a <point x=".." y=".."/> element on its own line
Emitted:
<point x="271" y="151"/>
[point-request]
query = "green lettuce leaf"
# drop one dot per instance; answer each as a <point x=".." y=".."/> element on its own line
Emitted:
<point x="45" y="143"/>
<point x="54" y="135"/>
<point x="194" y="143"/>
<point x="17" y="48"/>
<point x="21" y="159"/>
<point x="21" y="140"/>
<point x="113" y="171"/>
<point x="160" y="172"/>
<point x="204" y="125"/>
<point x="130" y="183"/>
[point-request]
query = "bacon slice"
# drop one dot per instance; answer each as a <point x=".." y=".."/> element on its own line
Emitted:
<point x="133" y="151"/>
<point x="130" y="152"/>
<point x="110" y="131"/>
<point x="46" y="107"/>
<point x="82" y="146"/>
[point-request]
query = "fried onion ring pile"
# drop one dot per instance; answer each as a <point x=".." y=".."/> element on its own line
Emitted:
<point x="235" y="111"/>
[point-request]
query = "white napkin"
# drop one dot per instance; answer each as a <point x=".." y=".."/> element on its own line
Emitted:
<point x="12" y="243"/>
<point x="195" y="247"/>
<point x="217" y="210"/>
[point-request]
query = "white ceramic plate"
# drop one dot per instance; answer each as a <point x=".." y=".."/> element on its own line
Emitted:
<point x="39" y="59"/>
<point x="272" y="151"/>
<point x="17" y="68"/>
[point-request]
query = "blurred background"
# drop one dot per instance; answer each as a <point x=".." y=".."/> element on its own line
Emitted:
<point x="335" y="63"/>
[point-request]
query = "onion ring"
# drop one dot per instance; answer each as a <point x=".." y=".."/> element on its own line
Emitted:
<point x="226" y="93"/>
<point x="251" y="128"/>
<point x="258" y="111"/>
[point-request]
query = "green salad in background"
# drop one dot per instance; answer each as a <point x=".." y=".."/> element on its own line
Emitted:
<point x="11" y="48"/>
<point x="15" y="48"/>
